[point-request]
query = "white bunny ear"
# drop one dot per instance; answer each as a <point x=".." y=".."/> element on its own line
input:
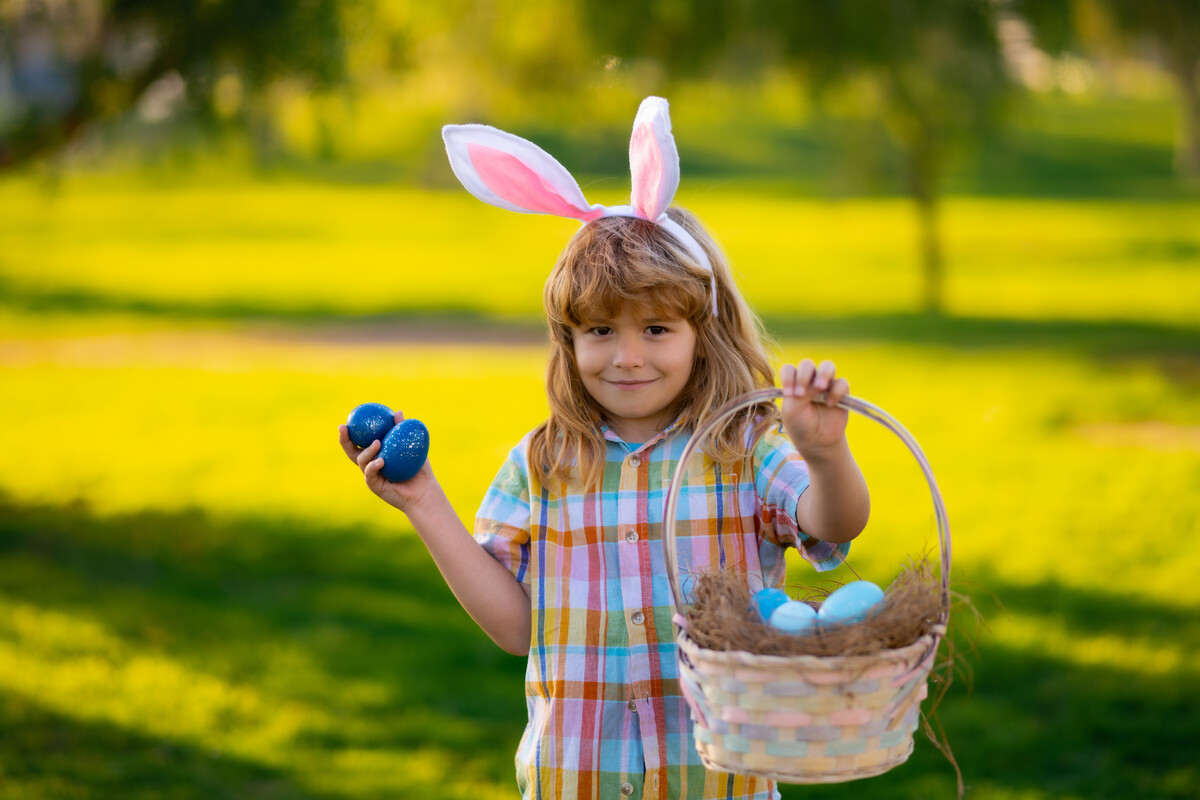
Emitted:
<point x="513" y="173"/>
<point x="653" y="159"/>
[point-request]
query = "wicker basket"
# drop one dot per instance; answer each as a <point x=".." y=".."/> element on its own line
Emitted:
<point x="804" y="719"/>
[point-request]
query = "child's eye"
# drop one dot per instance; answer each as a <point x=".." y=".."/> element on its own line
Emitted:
<point x="601" y="330"/>
<point x="656" y="330"/>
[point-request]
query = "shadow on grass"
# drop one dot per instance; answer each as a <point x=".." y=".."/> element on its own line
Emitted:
<point x="49" y="755"/>
<point x="1026" y="722"/>
<point x="359" y="632"/>
<point x="465" y="322"/>
<point x="374" y="640"/>
<point x="1099" y="337"/>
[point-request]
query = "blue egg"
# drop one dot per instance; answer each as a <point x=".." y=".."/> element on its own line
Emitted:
<point x="369" y="422"/>
<point x="853" y="602"/>
<point x="794" y="617"/>
<point x="404" y="450"/>
<point x="767" y="600"/>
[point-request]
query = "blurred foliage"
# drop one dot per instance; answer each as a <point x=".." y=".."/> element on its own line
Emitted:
<point x="77" y="63"/>
<point x="931" y="71"/>
<point x="894" y="96"/>
<point x="1165" y="31"/>
<point x="936" y="71"/>
<point x="373" y="80"/>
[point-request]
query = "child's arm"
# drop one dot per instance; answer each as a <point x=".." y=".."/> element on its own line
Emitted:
<point x="487" y="591"/>
<point x="836" y="505"/>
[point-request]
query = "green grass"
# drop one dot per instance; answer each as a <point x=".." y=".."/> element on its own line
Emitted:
<point x="304" y="250"/>
<point x="199" y="599"/>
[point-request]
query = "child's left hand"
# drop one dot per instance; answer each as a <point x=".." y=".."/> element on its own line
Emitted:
<point x="813" y="427"/>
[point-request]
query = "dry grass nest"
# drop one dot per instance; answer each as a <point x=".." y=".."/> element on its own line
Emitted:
<point x="722" y="617"/>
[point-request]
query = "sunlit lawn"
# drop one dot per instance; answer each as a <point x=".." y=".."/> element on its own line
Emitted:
<point x="198" y="597"/>
<point x="289" y="247"/>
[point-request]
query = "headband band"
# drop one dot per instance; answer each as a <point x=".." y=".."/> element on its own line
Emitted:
<point x="515" y="174"/>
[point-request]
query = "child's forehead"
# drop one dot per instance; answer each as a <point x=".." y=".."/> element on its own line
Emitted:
<point x="641" y="313"/>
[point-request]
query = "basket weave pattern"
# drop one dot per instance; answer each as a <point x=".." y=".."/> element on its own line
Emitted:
<point x="805" y="718"/>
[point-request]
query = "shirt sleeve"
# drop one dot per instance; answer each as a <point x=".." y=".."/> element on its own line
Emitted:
<point x="502" y="522"/>
<point x="780" y="477"/>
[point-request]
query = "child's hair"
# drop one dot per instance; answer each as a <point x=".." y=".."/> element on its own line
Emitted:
<point x="618" y="260"/>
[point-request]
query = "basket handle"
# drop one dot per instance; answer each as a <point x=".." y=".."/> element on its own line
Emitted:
<point x="849" y="403"/>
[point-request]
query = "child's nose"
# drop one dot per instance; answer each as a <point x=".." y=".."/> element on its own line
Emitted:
<point x="629" y="353"/>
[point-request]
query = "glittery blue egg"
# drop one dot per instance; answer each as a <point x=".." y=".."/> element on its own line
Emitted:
<point x="404" y="450"/>
<point x="369" y="422"/>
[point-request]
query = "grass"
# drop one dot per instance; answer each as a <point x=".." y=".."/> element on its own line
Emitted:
<point x="303" y="250"/>
<point x="199" y="599"/>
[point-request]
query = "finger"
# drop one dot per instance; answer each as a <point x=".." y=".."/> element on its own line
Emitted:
<point x="787" y="380"/>
<point x="804" y="376"/>
<point x="399" y="417"/>
<point x="367" y="454"/>
<point x="371" y="470"/>
<point x="824" y="376"/>
<point x="348" y="446"/>
<point x="838" y="391"/>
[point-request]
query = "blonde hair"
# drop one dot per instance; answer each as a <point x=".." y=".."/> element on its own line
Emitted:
<point x="618" y="260"/>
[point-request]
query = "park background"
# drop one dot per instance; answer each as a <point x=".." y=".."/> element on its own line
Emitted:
<point x="223" y="225"/>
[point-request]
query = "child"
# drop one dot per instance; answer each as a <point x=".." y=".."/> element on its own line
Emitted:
<point x="649" y="337"/>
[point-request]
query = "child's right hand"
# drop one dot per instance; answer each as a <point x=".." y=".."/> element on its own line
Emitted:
<point x="401" y="495"/>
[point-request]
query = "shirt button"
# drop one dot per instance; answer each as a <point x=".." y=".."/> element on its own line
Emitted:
<point x="627" y="789"/>
<point x="638" y="618"/>
<point x="635" y="461"/>
<point x="631" y="535"/>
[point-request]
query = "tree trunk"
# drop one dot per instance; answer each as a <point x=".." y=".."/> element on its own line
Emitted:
<point x="923" y="163"/>
<point x="932" y="265"/>
<point x="1187" y="147"/>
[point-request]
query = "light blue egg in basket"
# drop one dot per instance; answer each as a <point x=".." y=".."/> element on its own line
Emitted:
<point x="851" y="603"/>
<point x="794" y="617"/>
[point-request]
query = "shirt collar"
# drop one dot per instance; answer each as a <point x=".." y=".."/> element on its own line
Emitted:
<point x="612" y="436"/>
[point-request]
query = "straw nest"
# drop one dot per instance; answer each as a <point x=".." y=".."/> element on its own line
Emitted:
<point x="722" y="618"/>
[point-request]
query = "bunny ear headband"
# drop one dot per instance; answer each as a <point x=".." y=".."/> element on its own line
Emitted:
<point x="513" y="173"/>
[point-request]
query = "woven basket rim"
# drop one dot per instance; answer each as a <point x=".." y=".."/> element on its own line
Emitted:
<point x="782" y="774"/>
<point x="917" y="650"/>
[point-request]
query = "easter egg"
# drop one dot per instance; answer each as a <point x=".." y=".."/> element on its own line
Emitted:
<point x="853" y="602"/>
<point x="767" y="600"/>
<point x="404" y="450"/>
<point x="369" y="422"/>
<point x="794" y="617"/>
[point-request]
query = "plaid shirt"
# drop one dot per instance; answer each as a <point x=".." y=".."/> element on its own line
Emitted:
<point x="606" y="715"/>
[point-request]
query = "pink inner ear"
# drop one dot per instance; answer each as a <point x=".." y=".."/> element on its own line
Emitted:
<point x="509" y="178"/>
<point x="647" y="174"/>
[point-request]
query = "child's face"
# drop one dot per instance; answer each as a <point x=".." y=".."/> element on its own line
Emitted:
<point x="635" y="366"/>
